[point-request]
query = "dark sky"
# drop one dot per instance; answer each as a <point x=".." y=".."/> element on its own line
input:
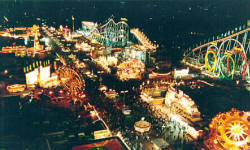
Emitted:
<point x="169" y="22"/>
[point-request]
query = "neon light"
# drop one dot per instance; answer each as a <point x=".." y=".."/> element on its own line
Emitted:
<point x="207" y="66"/>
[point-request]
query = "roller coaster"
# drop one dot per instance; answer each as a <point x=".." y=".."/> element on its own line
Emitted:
<point x="143" y="39"/>
<point x="115" y="34"/>
<point x="118" y="34"/>
<point x="226" y="57"/>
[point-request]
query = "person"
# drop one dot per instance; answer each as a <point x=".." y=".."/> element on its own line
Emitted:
<point x="20" y="105"/>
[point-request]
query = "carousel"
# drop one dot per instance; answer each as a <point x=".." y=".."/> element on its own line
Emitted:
<point x="142" y="126"/>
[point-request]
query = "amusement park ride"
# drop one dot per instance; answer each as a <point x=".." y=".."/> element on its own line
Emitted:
<point x="115" y="34"/>
<point x="226" y="57"/>
<point x="118" y="34"/>
<point x="145" y="42"/>
<point x="229" y="131"/>
<point x="72" y="81"/>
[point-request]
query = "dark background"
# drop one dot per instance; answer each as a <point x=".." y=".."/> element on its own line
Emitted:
<point x="168" y="22"/>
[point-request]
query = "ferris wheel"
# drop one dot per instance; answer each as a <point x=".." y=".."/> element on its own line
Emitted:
<point x="72" y="81"/>
<point x="229" y="131"/>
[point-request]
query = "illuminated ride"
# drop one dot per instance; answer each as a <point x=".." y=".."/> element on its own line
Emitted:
<point x="143" y="39"/>
<point x="16" y="88"/>
<point x="222" y="60"/>
<point x="229" y="131"/>
<point x="234" y="51"/>
<point x="72" y="81"/>
<point x="142" y="126"/>
<point x="226" y="58"/>
<point x="131" y="69"/>
<point x="229" y="58"/>
<point x="211" y="61"/>
<point x="114" y="34"/>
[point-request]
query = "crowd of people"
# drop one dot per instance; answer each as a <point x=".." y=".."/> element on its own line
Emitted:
<point x="118" y="122"/>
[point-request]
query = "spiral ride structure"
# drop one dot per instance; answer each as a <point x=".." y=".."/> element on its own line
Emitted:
<point x="229" y="131"/>
<point x="226" y="57"/>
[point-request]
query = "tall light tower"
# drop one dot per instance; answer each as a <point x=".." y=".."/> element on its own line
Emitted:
<point x="36" y="43"/>
<point x="73" y="23"/>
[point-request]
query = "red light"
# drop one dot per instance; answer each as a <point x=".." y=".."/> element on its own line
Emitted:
<point x="50" y="92"/>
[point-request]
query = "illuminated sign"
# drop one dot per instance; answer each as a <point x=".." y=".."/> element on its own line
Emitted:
<point x="101" y="134"/>
<point x="44" y="73"/>
<point x="32" y="77"/>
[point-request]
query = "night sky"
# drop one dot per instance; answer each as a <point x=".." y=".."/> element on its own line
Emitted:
<point x="173" y="24"/>
<point x="168" y="22"/>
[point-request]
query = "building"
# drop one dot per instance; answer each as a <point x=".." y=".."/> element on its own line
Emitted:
<point x="182" y="104"/>
<point x="181" y="73"/>
<point x="112" y="143"/>
<point x="39" y="73"/>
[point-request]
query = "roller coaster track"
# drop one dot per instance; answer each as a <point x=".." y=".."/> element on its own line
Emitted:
<point x="114" y="34"/>
<point x="220" y="40"/>
<point x="113" y="22"/>
<point x="143" y="39"/>
<point x="225" y="59"/>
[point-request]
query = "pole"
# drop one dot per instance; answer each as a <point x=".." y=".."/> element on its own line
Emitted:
<point x="73" y="23"/>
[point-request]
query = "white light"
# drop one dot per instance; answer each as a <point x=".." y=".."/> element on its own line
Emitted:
<point x="6" y="71"/>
